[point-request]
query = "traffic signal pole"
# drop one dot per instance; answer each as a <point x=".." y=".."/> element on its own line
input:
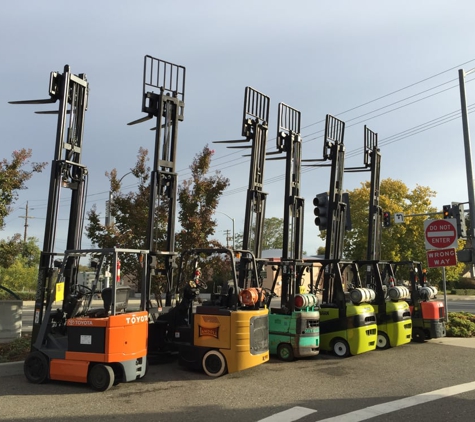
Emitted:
<point x="468" y="163"/>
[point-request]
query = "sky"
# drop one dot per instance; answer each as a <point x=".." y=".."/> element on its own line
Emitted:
<point x="392" y="66"/>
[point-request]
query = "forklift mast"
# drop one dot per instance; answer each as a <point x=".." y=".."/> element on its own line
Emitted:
<point x="288" y="141"/>
<point x="254" y="128"/>
<point x="66" y="171"/>
<point x="334" y="151"/>
<point x="167" y="106"/>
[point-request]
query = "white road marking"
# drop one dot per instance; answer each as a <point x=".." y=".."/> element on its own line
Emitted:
<point x="393" y="406"/>
<point x="289" y="415"/>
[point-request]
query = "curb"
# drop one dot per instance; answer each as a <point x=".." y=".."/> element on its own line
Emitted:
<point x="11" y="368"/>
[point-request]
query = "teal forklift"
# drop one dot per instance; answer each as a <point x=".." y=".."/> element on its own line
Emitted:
<point x="294" y="327"/>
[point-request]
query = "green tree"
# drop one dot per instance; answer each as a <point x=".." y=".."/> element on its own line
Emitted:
<point x="272" y="234"/>
<point x="400" y="242"/>
<point x="13" y="178"/>
<point x="19" y="263"/>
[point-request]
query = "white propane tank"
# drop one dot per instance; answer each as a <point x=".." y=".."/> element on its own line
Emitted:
<point x="428" y="292"/>
<point x="307" y="300"/>
<point x="398" y="293"/>
<point x="360" y="295"/>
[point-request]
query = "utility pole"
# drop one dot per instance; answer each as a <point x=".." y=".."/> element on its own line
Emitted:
<point x="468" y="163"/>
<point x="26" y="217"/>
<point x="227" y="237"/>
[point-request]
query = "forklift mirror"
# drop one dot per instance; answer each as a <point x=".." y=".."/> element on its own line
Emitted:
<point x="57" y="264"/>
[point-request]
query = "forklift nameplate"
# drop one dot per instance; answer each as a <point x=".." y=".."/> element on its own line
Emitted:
<point x="85" y="339"/>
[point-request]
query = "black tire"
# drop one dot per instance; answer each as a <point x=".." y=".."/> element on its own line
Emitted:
<point x="341" y="348"/>
<point x="418" y="335"/>
<point x="383" y="341"/>
<point x="101" y="377"/>
<point x="36" y="367"/>
<point x="285" y="352"/>
<point x="214" y="363"/>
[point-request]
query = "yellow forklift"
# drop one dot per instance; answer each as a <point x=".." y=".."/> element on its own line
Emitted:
<point x="392" y="311"/>
<point x="347" y="319"/>
<point x="224" y="335"/>
<point x="219" y="338"/>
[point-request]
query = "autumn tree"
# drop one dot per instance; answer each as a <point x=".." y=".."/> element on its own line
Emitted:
<point x="399" y="242"/>
<point x="13" y="178"/>
<point x="199" y="197"/>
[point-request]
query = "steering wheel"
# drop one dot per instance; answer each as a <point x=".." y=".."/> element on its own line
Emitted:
<point x="83" y="290"/>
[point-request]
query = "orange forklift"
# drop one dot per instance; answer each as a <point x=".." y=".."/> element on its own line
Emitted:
<point x="76" y="343"/>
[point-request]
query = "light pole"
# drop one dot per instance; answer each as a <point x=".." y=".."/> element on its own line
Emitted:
<point x="468" y="163"/>
<point x="232" y="219"/>
<point x="109" y="221"/>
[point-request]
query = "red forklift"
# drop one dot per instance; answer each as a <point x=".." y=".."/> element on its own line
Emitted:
<point x="427" y="313"/>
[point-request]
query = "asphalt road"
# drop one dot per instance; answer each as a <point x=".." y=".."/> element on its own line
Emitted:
<point x="321" y="388"/>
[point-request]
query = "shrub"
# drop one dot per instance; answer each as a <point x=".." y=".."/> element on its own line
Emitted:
<point x="461" y="324"/>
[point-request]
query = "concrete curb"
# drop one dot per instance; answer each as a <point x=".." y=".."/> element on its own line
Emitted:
<point x="11" y="368"/>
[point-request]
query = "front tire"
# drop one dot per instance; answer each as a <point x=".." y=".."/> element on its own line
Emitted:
<point x="101" y="377"/>
<point x="341" y="348"/>
<point x="214" y="363"/>
<point x="285" y="352"/>
<point x="383" y="341"/>
<point x="36" y="367"/>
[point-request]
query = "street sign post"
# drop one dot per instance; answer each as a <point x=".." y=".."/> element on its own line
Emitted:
<point x="440" y="234"/>
<point x="441" y="258"/>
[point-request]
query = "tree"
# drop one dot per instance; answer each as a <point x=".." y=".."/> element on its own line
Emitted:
<point x="199" y="197"/>
<point x="19" y="263"/>
<point x="400" y="242"/>
<point x="13" y="177"/>
<point x="272" y="234"/>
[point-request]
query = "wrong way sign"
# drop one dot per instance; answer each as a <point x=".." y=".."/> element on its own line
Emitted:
<point x="441" y="258"/>
<point x="440" y="234"/>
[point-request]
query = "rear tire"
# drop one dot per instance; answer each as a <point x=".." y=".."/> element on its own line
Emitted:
<point x="341" y="348"/>
<point x="101" y="377"/>
<point x="285" y="352"/>
<point x="214" y="363"/>
<point x="36" y="367"/>
<point x="383" y="341"/>
<point x="418" y="335"/>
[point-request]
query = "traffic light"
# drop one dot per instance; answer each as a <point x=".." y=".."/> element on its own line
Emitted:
<point x="458" y="213"/>
<point x="321" y="210"/>
<point x="447" y="211"/>
<point x="386" y="219"/>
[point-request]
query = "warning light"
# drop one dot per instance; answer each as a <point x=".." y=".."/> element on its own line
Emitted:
<point x="386" y="219"/>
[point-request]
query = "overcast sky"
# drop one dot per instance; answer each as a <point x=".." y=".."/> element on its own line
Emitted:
<point x="349" y="58"/>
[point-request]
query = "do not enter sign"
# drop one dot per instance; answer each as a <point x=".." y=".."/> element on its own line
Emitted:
<point x="440" y="234"/>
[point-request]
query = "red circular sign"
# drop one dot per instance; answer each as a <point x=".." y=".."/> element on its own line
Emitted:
<point x="440" y="234"/>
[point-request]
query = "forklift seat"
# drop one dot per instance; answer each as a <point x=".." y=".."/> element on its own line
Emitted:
<point x="122" y="298"/>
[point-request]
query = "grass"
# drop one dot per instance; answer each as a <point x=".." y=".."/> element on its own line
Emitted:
<point x="16" y="350"/>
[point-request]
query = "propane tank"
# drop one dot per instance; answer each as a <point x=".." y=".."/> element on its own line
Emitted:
<point x="307" y="300"/>
<point x="398" y="293"/>
<point x="428" y="292"/>
<point x="250" y="296"/>
<point x="360" y="295"/>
